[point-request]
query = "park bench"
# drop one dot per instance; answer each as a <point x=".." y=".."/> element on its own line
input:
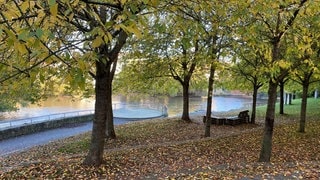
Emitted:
<point x="243" y="117"/>
<point x="216" y="120"/>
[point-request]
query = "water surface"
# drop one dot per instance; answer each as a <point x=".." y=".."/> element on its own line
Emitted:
<point x="173" y="104"/>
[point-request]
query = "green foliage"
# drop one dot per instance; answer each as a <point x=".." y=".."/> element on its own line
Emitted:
<point x="52" y="42"/>
<point x="7" y="104"/>
<point x="171" y="50"/>
<point x="62" y="41"/>
<point x="269" y="31"/>
<point x="13" y="95"/>
<point x="151" y="77"/>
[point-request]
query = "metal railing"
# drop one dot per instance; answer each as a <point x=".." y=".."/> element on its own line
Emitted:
<point x="33" y="120"/>
<point x="4" y="124"/>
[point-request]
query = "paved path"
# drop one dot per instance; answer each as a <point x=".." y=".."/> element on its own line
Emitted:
<point x="21" y="143"/>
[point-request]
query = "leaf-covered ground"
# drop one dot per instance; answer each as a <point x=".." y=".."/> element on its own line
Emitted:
<point x="172" y="149"/>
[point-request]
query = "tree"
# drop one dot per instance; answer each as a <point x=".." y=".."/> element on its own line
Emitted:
<point x="171" y="49"/>
<point x="281" y="86"/>
<point x="19" y="84"/>
<point x="144" y="77"/>
<point x="283" y="80"/>
<point x="214" y="21"/>
<point x="305" y="79"/>
<point x="307" y="43"/>
<point x="11" y="95"/>
<point x="48" y="33"/>
<point x="271" y="23"/>
<point x="249" y="67"/>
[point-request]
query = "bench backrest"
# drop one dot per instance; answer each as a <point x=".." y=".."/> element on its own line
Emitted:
<point x="243" y="114"/>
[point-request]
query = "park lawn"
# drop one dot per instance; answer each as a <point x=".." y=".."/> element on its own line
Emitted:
<point x="170" y="148"/>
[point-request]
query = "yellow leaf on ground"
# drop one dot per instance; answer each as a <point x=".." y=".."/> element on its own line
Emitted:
<point x="21" y="48"/>
<point x="54" y="10"/>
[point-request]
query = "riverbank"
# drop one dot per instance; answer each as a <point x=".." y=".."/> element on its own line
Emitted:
<point x="170" y="148"/>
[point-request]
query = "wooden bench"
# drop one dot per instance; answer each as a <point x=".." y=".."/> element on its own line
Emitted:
<point x="216" y="120"/>
<point x="243" y="117"/>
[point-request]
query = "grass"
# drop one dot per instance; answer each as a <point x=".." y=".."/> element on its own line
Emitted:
<point x="293" y="110"/>
<point x="170" y="148"/>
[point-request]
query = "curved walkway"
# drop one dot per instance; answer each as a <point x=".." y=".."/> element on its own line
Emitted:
<point x="21" y="143"/>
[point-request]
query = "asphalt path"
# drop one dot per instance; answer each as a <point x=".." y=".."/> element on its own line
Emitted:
<point x="21" y="143"/>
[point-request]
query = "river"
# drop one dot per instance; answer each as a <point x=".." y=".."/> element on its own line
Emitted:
<point x="174" y="105"/>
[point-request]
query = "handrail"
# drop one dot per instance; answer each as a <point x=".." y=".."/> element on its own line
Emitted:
<point x="50" y="117"/>
<point x="38" y="119"/>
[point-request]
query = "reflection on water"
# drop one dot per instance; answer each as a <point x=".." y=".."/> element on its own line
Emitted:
<point x="219" y="104"/>
<point x="225" y="103"/>
<point x="49" y="106"/>
<point x="174" y="105"/>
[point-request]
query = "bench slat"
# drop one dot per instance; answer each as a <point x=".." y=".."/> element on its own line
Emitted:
<point x="243" y="117"/>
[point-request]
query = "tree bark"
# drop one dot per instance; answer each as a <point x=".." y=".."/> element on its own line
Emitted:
<point x="254" y="104"/>
<point x="290" y="98"/>
<point x="281" y="85"/>
<point x="95" y="155"/>
<point x="103" y="126"/>
<point x="110" y="132"/>
<point x="186" y="81"/>
<point x="265" y="153"/>
<point x="110" y="69"/>
<point x="304" y="99"/>
<point x="209" y="100"/>
<point x="185" y="111"/>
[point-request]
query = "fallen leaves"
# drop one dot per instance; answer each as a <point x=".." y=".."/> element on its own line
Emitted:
<point x="172" y="149"/>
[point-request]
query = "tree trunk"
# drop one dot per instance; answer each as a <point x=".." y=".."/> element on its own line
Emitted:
<point x="290" y="99"/>
<point x="110" y="132"/>
<point x="110" y="69"/>
<point x="103" y="119"/>
<point x="266" y="148"/>
<point x="185" y="111"/>
<point x="209" y="100"/>
<point x="281" y="85"/>
<point x="95" y="155"/>
<point x="254" y="104"/>
<point x="303" y="107"/>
